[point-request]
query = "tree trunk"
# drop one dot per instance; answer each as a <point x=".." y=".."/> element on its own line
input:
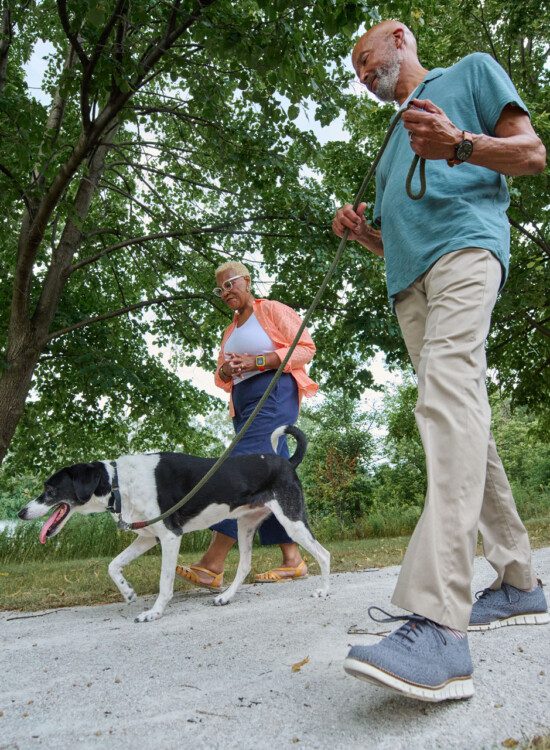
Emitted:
<point x="27" y="337"/>
<point x="15" y="384"/>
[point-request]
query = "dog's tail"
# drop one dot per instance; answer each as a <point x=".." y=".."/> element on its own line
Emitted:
<point x="301" y="442"/>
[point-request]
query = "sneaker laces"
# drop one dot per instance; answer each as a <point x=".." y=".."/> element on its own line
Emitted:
<point x="505" y="587"/>
<point x="412" y="625"/>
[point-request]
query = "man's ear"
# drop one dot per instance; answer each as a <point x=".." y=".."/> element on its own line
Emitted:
<point x="85" y="480"/>
<point x="399" y="37"/>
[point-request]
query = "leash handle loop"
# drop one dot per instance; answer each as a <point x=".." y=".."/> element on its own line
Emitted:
<point x="422" y="173"/>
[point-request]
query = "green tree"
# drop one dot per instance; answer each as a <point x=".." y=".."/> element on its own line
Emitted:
<point x="169" y="144"/>
<point x="335" y="471"/>
<point x="400" y="480"/>
<point x="525" y="452"/>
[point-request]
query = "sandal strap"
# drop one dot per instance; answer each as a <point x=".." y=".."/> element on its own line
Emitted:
<point x="188" y="572"/>
<point x="269" y="575"/>
<point x="272" y="575"/>
<point x="296" y="569"/>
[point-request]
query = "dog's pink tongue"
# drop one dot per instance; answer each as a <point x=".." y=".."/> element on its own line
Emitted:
<point x="49" y="523"/>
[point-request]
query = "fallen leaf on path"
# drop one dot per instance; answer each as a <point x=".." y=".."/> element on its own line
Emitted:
<point x="299" y="664"/>
<point x="510" y="742"/>
<point x="209" y="713"/>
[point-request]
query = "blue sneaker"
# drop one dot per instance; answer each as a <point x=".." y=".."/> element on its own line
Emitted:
<point x="496" y="608"/>
<point x="419" y="659"/>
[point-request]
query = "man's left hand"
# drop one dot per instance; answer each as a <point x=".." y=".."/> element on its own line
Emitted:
<point x="432" y="135"/>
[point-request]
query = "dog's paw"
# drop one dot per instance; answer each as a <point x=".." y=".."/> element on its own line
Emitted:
<point x="221" y="600"/>
<point x="320" y="593"/>
<point x="148" y="616"/>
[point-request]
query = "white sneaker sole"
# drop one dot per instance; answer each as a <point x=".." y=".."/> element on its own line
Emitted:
<point x="540" y="618"/>
<point x="462" y="687"/>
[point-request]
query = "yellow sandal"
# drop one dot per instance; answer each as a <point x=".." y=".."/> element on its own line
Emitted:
<point x="272" y="576"/>
<point x="188" y="572"/>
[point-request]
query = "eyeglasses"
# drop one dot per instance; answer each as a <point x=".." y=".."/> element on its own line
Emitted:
<point x="226" y="286"/>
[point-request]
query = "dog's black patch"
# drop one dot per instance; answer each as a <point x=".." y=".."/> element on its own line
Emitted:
<point x="242" y="480"/>
<point x="74" y="485"/>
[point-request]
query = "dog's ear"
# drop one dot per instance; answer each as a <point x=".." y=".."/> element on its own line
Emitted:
<point x="85" y="478"/>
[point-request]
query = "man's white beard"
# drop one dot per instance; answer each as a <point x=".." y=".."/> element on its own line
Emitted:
<point x="387" y="76"/>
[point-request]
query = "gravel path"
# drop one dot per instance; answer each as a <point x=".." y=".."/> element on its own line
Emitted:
<point x="211" y="677"/>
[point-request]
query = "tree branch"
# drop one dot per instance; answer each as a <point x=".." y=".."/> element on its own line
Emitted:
<point x="5" y="43"/>
<point x="70" y="34"/>
<point x="539" y="325"/>
<point x="150" y="58"/>
<point x="94" y="59"/>
<point x="34" y="226"/>
<point x="154" y="170"/>
<point x="539" y="242"/>
<point x="57" y="275"/>
<point x="104" y="37"/>
<point x="18" y="187"/>
<point x="487" y="33"/>
<point x="177" y="111"/>
<point x="54" y="122"/>
<point x="124" y="310"/>
<point x="216" y="229"/>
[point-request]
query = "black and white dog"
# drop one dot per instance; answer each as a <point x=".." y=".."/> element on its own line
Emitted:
<point x="248" y="488"/>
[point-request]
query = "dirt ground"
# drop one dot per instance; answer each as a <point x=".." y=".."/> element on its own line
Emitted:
<point x="214" y="677"/>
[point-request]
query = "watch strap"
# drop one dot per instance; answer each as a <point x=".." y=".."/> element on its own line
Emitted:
<point x="455" y="160"/>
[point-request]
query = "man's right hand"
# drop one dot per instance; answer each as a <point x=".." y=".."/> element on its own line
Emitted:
<point x="359" y="230"/>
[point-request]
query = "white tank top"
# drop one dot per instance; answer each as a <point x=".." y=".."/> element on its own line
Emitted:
<point x="250" y="338"/>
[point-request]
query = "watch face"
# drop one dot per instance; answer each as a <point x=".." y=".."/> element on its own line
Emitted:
<point x="260" y="361"/>
<point x="464" y="150"/>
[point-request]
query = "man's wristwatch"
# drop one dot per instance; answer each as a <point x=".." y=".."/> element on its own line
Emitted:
<point x="261" y="362"/>
<point x="463" y="150"/>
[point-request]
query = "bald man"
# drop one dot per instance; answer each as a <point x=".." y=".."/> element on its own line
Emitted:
<point x="446" y="257"/>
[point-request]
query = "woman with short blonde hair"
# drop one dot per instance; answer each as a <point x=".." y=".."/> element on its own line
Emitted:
<point x="252" y="348"/>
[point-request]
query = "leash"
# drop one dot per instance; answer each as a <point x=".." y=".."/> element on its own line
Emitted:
<point x="123" y="525"/>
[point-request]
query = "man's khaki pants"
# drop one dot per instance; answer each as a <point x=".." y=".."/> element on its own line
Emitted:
<point x="444" y="317"/>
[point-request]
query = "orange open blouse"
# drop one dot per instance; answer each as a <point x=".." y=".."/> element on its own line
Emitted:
<point x="281" y="324"/>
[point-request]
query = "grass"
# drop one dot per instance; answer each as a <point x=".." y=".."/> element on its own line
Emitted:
<point x="84" y="536"/>
<point x="52" y="583"/>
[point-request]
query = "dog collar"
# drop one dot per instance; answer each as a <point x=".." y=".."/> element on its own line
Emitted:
<point x="115" y="501"/>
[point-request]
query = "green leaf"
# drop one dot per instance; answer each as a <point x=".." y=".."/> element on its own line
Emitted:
<point x="293" y="111"/>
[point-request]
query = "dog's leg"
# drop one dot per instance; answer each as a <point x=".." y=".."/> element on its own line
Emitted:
<point x="170" y="544"/>
<point x="300" y="533"/>
<point x="246" y="527"/>
<point x="137" y="548"/>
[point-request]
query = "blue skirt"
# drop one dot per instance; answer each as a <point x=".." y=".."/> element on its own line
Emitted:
<point x="281" y="408"/>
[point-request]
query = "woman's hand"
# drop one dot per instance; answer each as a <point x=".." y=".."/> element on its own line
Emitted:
<point x="238" y="364"/>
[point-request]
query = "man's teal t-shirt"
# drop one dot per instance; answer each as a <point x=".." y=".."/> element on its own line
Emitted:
<point x="464" y="206"/>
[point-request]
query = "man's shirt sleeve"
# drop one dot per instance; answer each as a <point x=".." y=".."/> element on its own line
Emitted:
<point x="493" y="90"/>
